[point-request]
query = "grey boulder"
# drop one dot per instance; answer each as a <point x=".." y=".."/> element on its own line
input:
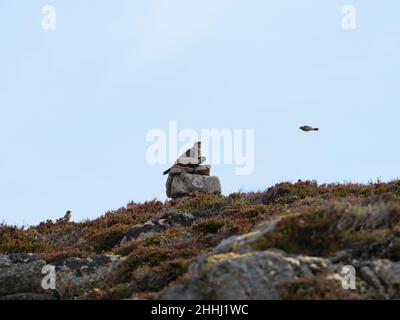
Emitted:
<point x="74" y="274"/>
<point x="384" y="276"/>
<point x="21" y="273"/>
<point x="184" y="184"/>
<point x="21" y="276"/>
<point x="233" y="276"/>
<point x="233" y="270"/>
<point x="145" y="230"/>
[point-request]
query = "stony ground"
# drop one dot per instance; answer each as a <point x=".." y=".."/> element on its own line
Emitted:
<point x="288" y="242"/>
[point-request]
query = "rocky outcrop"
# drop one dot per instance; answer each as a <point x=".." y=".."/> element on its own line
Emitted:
<point x="185" y="183"/>
<point x="145" y="230"/>
<point x="21" y="276"/>
<point x="383" y="275"/>
<point x="76" y="274"/>
<point x="291" y="242"/>
<point x="157" y="225"/>
<point x="239" y="244"/>
<point x="235" y="271"/>
<point x="184" y="180"/>
<point x="233" y="276"/>
<point x="188" y="175"/>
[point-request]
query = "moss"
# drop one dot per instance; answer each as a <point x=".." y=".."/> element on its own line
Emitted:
<point x="125" y="249"/>
<point x="152" y="256"/>
<point x="156" y="278"/>
<point x="106" y="239"/>
<point x="117" y="292"/>
<point x="219" y="258"/>
<point x="209" y="226"/>
<point x="198" y="202"/>
<point x="317" y="288"/>
<point x="308" y="235"/>
<point x="325" y="231"/>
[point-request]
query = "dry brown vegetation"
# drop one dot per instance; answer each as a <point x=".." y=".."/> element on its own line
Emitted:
<point x="319" y="220"/>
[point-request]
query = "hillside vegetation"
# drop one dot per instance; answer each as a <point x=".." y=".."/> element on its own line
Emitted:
<point x="340" y="222"/>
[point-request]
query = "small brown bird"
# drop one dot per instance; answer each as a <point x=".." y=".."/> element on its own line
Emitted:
<point x="191" y="158"/>
<point x="66" y="218"/>
<point x="308" y="128"/>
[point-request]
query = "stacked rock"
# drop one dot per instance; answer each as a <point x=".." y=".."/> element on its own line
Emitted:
<point x="188" y="175"/>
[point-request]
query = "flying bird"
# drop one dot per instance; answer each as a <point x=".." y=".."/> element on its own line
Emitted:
<point x="308" y="128"/>
<point x="191" y="158"/>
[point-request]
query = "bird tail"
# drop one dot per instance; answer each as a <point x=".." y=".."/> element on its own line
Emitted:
<point x="316" y="129"/>
<point x="166" y="171"/>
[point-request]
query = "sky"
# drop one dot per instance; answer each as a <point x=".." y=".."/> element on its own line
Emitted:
<point x="77" y="102"/>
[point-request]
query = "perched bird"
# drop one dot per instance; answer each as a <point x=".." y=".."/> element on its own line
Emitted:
<point x="66" y="218"/>
<point x="308" y="128"/>
<point x="191" y="158"/>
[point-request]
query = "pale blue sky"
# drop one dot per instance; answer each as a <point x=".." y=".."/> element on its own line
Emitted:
<point x="76" y="103"/>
